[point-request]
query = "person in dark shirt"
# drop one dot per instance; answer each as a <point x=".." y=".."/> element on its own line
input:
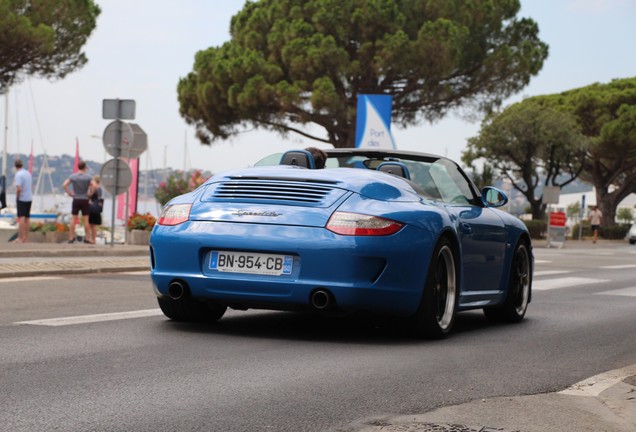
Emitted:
<point x="81" y="183"/>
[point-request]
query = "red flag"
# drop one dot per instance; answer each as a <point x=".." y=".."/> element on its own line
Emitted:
<point x="76" y="164"/>
<point x="31" y="159"/>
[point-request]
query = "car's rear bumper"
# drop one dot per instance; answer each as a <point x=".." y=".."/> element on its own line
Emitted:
<point x="377" y="274"/>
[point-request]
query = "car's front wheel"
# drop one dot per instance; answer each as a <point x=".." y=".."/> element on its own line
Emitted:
<point x="517" y="298"/>
<point x="436" y="314"/>
<point x="190" y="310"/>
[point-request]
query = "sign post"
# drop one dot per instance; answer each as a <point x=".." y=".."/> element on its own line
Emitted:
<point x="116" y="109"/>
<point x="550" y="196"/>
<point x="581" y="216"/>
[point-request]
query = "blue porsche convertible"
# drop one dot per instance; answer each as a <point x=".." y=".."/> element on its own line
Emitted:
<point x="382" y="231"/>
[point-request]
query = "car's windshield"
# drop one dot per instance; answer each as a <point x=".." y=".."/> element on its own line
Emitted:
<point x="438" y="179"/>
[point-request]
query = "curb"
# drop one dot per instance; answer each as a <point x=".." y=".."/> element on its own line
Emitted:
<point x="604" y="402"/>
<point x="75" y="266"/>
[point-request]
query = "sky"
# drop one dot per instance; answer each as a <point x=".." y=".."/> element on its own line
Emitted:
<point x="140" y="49"/>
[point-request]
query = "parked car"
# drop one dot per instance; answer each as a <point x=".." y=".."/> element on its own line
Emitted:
<point x="632" y="234"/>
<point x="382" y="231"/>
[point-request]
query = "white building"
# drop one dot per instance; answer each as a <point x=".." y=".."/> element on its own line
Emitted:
<point x="590" y="199"/>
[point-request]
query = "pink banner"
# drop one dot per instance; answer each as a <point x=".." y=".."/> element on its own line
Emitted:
<point x="132" y="192"/>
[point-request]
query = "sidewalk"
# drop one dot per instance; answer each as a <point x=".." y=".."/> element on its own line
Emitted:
<point x="603" y="403"/>
<point x="39" y="259"/>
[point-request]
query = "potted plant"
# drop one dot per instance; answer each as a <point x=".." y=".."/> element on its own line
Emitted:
<point x="140" y="226"/>
<point x="36" y="233"/>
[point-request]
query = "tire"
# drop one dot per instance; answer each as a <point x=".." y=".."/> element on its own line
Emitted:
<point x="632" y="241"/>
<point x="436" y="313"/>
<point x="190" y="310"/>
<point x="515" y="305"/>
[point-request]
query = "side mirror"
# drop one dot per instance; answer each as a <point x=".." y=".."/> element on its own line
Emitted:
<point x="493" y="197"/>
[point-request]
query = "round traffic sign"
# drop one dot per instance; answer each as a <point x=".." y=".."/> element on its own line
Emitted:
<point x="108" y="174"/>
<point x="110" y="137"/>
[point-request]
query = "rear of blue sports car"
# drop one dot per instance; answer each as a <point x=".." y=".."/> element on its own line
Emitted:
<point x="287" y="238"/>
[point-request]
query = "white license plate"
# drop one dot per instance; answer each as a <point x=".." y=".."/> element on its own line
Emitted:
<point x="252" y="263"/>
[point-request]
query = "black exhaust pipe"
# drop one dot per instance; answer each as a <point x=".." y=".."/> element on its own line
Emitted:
<point x="176" y="290"/>
<point x="321" y="299"/>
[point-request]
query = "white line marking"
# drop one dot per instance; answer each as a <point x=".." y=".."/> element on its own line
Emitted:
<point x="32" y="278"/>
<point x="625" y="266"/>
<point x="564" y="282"/>
<point x="542" y="262"/>
<point x="84" y="319"/>
<point x="626" y="292"/>
<point x="595" y="385"/>
<point x="550" y="272"/>
<point x="143" y="272"/>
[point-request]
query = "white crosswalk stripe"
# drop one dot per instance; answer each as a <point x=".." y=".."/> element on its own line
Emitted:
<point x="84" y="319"/>
<point x="619" y="267"/>
<point x="626" y="292"/>
<point x="549" y="272"/>
<point x="565" y="282"/>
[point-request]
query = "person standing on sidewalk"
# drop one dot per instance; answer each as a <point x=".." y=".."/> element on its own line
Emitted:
<point x="81" y="184"/>
<point x="596" y="219"/>
<point x="24" y="197"/>
<point x="96" y="206"/>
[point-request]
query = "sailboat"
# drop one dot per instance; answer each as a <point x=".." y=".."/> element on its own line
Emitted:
<point x="8" y="214"/>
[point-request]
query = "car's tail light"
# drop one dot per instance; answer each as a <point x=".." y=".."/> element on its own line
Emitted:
<point x="354" y="224"/>
<point x="175" y="214"/>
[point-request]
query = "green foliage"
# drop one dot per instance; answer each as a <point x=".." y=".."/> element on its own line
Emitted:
<point x="537" y="228"/>
<point x="625" y="214"/>
<point x="177" y="184"/>
<point x="484" y="178"/>
<point x="615" y="232"/>
<point x="527" y="142"/>
<point x="586" y="229"/>
<point x="573" y="210"/>
<point x="607" y="116"/>
<point x="44" y="38"/>
<point x="291" y="63"/>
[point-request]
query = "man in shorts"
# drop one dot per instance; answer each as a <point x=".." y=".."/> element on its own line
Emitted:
<point x="81" y="184"/>
<point x="24" y="196"/>
<point x="596" y="219"/>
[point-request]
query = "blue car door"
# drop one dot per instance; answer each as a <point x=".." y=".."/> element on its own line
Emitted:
<point x="482" y="233"/>
<point x="483" y="238"/>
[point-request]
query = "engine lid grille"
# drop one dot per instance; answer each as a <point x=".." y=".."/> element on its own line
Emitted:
<point x="273" y="191"/>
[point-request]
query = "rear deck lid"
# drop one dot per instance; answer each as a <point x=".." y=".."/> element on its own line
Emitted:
<point x="280" y="201"/>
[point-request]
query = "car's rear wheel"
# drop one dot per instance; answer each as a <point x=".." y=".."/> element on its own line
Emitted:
<point x="191" y="310"/>
<point x="436" y="314"/>
<point x="515" y="305"/>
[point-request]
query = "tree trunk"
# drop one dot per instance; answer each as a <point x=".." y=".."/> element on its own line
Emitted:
<point x="538" y="209"/>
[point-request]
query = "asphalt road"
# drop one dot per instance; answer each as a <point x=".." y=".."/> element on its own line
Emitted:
<point x="276" y="371"/>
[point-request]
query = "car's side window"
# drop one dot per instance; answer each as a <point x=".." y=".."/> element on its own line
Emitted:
<point x="452" y="186"/>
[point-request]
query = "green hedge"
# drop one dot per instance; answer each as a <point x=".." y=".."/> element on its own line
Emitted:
<point x="616" y="232"/>
<point x="586" y="232"/>
<point x="538" y="228"/>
